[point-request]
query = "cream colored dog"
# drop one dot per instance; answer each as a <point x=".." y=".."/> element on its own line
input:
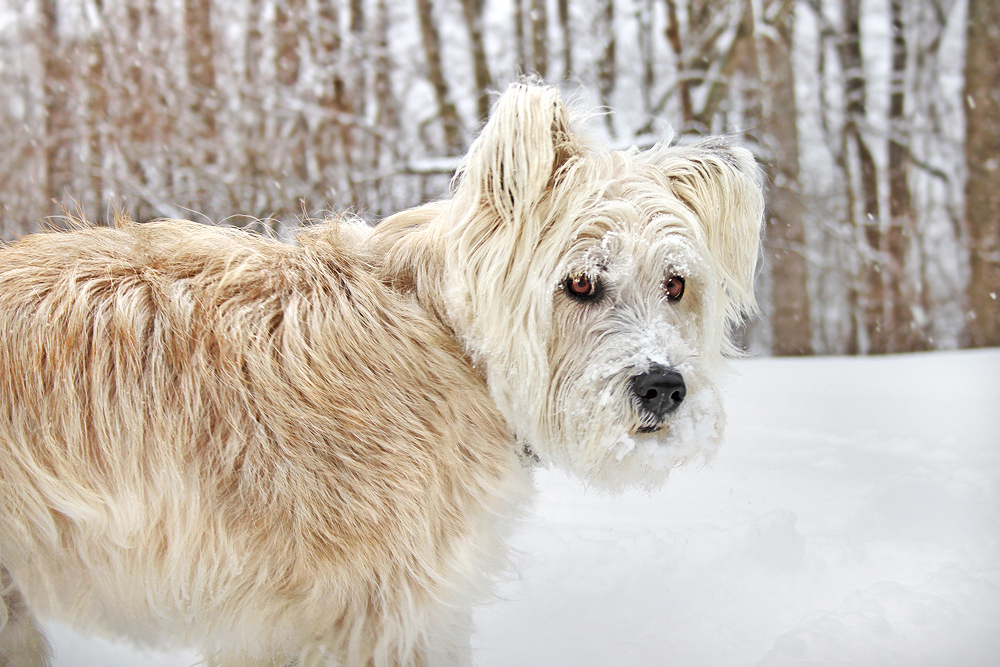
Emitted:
<point x="308" y="454"/>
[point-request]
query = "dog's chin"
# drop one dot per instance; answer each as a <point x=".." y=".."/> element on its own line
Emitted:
<point x="642" y="454"/>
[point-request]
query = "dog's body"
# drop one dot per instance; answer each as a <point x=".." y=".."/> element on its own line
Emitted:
<point x="210" y="433"/>
<point x="310" y="453"/>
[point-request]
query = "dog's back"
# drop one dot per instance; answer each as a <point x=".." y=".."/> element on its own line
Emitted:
<point x="255" y="443"/>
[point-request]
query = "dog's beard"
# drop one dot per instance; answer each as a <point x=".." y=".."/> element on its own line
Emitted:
<point x="592" y="424"/>
<point x="692" y="432"/>
<point x="609" y="448"/>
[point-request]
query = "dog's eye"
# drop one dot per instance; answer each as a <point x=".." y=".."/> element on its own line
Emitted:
<point x="674" y="288"/>
<point x="582" y="287"/>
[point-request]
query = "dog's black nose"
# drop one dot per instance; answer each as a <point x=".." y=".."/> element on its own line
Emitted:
<point x="660" y="390"/>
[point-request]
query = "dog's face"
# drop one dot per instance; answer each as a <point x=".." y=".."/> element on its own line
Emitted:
<point x="596" y="290"/>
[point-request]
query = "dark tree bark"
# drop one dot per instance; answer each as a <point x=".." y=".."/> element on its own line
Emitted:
<point x="731" y="57"/>
<point x="289" y="31"/>
<point x="644" y="14"/>
<point x="254" y="143"/>
<point x="387" y="115"/>
<point x="903" y="333"/>
<point x="136" y="112"/>
<point x="701" y="45"/>
<point x="435" y="73"/>
<point x="362" y="139"/>
<point x="785" y="238"/>
<point x="862" y="189"/>
<point x="289" y="27"/>
<point x="333" y="98"/>
<point x="982" y="189"/>
<point x="607" y="67"/>
<point x="520" y="42"/>
<point x="97" y="114"/>
<point x="567" y="39"/>
<point x="200" y="55"/>
<point x="673" y="32"/>
<point x="539" y="37"/>
<point x="56" y="81"/>
<point x="472" y="11"/>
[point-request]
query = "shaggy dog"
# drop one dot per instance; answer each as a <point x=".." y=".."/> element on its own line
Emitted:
<point x="308" y="454"/>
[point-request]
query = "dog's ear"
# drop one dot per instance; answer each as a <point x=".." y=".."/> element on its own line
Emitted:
<point x="519" y="154"/>
<point x="721" y="184"/>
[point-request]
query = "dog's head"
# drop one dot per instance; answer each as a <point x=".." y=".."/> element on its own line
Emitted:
<point x="597" y="290"/>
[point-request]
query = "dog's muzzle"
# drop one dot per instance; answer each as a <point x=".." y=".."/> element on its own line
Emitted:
<point x="660" y="391"/>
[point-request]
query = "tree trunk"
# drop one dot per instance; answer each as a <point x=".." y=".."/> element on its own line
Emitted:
<point x="644" y="18"/>
<point x="539" y="37"/>
<point x="607" y="66"/>
<point x="567" y="39"/>
<point x="982" y="154"/>
<point x="137" y="111"/>
<point x="332" y="137"/>
<point x="362" y="141"/>
<point x="387" y="116"/>
<point x="520" y="43"/>
<point x="862" y="187"/>
<point x="785" y="239"/>
<point x="289" y="30"/>
<point x="673" y="32"/>
<point x="289" y="26"/>
<point x="56" y="81"/>
<point x="97" y="114"/>
<point x="472" y="11"/>
<point x="904" y="334"/>
<point x="200" y="54"/>
<point x="435" y="73"/>
<point x="256" y="154"/>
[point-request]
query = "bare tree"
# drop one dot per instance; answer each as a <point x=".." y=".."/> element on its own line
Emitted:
<point x="567" y="40"/>
<point x="902" y="295"/>
<point x="256" y="157"/>
<point x="472" y="11"/>
<point x="785" y="238"/>
<point x="126" y="107"/>
<point x="644" y="19"/>
<point x="289" y="31"/>
<point x="520" y="42"/>
<point x="59" y="126"/>
<point x="709" y="48"/>
<point x="435" y="74"/>
<point x="607" y="65"/>
<point x="867" y="298"/>
<point x="539" y="37"/>
<point x="289" y="27"/>
<point x="982" y="189"/>
<point x="387" y="151"/>
<point x="139" y="116"/>
<point x="200" y="54"/>
<point x="97" y="111"/>
<point x="673" y="34"/>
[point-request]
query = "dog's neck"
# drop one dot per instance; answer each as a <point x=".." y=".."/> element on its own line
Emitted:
<point x="410" y="259"/>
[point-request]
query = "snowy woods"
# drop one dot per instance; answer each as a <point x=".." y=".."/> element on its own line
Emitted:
<point x="878" y="122"/>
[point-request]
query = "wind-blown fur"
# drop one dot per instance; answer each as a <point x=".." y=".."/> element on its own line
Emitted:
<point x="309" y="453"/>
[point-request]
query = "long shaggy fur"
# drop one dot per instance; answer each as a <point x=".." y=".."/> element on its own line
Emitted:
<point x="532" y="205"/>
<point x="309" y="453"/>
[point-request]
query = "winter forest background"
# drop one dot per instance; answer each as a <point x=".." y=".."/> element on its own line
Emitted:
<point x="878" y="122"/>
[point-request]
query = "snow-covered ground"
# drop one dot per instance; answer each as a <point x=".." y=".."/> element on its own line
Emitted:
<point x="852" y="517"/>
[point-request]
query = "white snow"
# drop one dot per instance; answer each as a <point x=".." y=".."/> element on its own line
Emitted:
<point x="852" y="517"/>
